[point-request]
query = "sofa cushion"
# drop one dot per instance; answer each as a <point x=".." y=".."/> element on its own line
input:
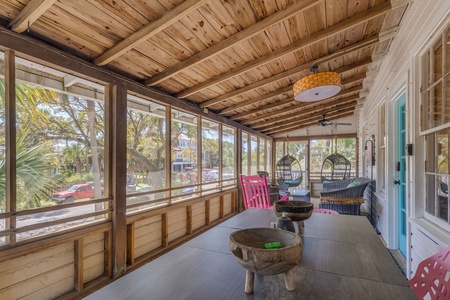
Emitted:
<point x="354" y="183"/>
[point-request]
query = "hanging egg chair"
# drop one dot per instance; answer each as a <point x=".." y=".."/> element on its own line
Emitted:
<point x="335" y="167"/>
<point x="289" y="171"/>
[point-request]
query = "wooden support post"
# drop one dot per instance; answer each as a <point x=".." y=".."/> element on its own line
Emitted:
<point x="164" y="230"/>
<point x="108" y="253"/>
<point x="116" y="111"/>
<point x="221" y="208"/>
<point x="207" y="214"/>
<point x="78" y="264"/>
<point x="10" y="142"/>
<point x="130" y="244"/>
<point x="189" y="219"/>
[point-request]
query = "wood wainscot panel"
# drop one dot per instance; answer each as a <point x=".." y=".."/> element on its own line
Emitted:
<point x="177" y="224"/>
<point x="147" y="235"/>
<point x="198" y="215"/>
<point x="49" y="272"/>
<point x="227" y="204"/>
<point x="214" y="209"/>
<point x="94" y="258"/>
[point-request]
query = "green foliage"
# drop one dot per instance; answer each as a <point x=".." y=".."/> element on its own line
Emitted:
<point x="33" y="178"/>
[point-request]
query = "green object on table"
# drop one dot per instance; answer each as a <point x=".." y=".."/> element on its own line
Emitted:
<point x="272" y="245"/>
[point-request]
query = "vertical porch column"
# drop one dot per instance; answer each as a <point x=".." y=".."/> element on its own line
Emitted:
<point x="238" y="164"/>
<point x="10" y="142"/>
<point x="116" y="112"/>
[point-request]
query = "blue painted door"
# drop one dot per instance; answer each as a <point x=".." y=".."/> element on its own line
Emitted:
<point x="401" y="173"/>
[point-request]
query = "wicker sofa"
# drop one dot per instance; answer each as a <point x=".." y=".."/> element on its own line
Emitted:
<point x="344" y="196"/>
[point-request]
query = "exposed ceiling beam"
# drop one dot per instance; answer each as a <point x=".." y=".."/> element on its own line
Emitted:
<point x="149" y="30"/>
<point x="337" y="54"/>
<point x="302" y="104"/>
<point x="310" y="122"/>
<point x="297" y="106"/>
<point x="313" y="113"/>
<point x="247" y="33"/>
<point x="283" y="102"/>
<point x="28" y="15"/>
<point x="262" y="98"/>
<point x="289" y="118"/>
<point x="299" y="44"/>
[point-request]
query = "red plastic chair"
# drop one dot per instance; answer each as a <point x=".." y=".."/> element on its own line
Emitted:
<point x="255" y="192"/>
<point x="431" y="279"/>
<point x="325" y="211"/>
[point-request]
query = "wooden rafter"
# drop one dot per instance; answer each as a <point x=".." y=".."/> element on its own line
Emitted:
<point x="263" y="98"/>
<point x="299" y="105"/>
<point x="284" y="102"/>
<point x="311" y="122"/>
<point x="231" y="41"/>
<point x="305" y="116"/>
<point x="298" y="45"/>
<point x="337" y="54"/>
<point x="31" y="12"/>
<point x="306" y="112"/>
<point x="149" y="30"/>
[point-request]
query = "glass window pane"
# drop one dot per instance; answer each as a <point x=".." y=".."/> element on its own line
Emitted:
<point x="146" y="151"/>
<point x="320" y="149"/>
<point x="184" y="152"/>
<point x="254" y="155"/>
<point x="447" y="59"/>
<point x="210" y="151"/>
<point x="228" y="153"/>
<point x="298" y="150"/>
<point x="269" y="157"/>
<point x="262" y="152"/>
<point x="436" y="104"/>
<point x="279" y="151"/>
<point x="245" y="151"/>
<point x="442" y="152"/>
<point x="446" y="99"/>
<point x="437" y="61"/>
<point x="60" y="137"/>
<point x="347" y="147"/>
<point x="426" y="121"/>
<point x="2" y="147"/>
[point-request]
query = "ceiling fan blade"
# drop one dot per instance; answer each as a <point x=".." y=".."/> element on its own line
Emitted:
<point x="346" y="124"/>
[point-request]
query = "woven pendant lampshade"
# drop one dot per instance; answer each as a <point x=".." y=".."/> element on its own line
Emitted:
<point x="318" y="86"/>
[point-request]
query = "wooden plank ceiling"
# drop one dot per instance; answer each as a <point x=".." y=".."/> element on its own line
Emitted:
<point x="237" y="58"/>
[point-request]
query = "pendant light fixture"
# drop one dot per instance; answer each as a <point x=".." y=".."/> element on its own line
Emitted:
<point x="318" y="86"/>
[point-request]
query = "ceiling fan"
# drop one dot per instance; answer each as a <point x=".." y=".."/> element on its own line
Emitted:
<point x="326" y="122"/>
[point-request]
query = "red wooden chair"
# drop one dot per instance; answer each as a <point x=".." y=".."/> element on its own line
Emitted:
<point x="431" y="280"/>
<point x="255" y="192"/>
<point x="325" y="211"/>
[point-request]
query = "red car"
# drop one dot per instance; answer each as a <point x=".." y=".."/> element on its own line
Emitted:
<point x="75" y="192"/>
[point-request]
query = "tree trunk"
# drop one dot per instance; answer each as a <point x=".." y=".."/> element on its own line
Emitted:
<point x="94" y="151"/>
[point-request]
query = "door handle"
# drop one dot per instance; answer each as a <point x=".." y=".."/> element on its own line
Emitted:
<point x="397" y="182"/>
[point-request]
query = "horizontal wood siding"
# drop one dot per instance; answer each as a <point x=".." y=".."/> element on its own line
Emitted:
<point x="147" y="235"/>
<point x="198" y="215"/>
<point x="73" y="262"/>
<point x="227" y="204"/>
<point x="48" y="273"/>
<point x="177" y="223"/>
<point x="424" y="244"/>
<point x="214" y="210"/>
<point x="94" y="257"/>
